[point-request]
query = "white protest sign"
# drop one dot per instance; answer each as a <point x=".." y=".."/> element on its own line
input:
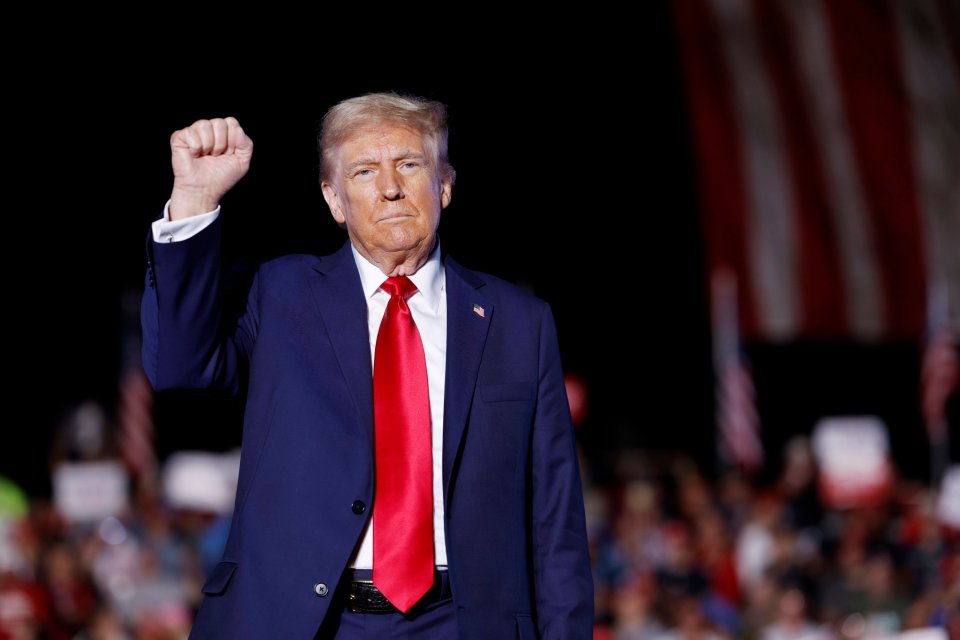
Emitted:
<point x="201" y="481"/>
<point x="853" y="454"/>
<point x="90" y="491"/>
<point x="948" y="506"/>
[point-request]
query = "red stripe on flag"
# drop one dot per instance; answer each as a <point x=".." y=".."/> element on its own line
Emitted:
<point x="812" y="256"/>
<point x="722" y="183"/>
<point x="865" y="49"/>
<point x="821" y="284"/>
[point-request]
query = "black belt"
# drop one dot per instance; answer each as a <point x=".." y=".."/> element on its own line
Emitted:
<point x="364" y="597"/>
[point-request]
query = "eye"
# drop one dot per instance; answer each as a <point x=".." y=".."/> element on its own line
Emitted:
<point x="363" y="172"/>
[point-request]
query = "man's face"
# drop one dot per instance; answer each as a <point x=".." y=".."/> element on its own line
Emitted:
<point x="387" y="190"/>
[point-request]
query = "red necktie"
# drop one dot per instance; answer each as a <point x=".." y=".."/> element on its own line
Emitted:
<point x="403" y="502"/>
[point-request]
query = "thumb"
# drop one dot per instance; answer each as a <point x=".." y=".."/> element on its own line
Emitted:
<point x="237" y="140"/>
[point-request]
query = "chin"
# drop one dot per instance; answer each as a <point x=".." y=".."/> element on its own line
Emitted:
<point x="403" y="240"/>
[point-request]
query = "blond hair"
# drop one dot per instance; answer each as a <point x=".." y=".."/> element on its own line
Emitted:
<point x="428" y="117"/>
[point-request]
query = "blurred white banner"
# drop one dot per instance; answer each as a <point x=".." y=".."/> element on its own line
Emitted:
<point x="853" y="453"/>
<point x="201" y="481"/>
<point x="90" y="491"/>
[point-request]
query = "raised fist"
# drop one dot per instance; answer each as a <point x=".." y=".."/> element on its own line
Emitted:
<point x="208" y="158"/>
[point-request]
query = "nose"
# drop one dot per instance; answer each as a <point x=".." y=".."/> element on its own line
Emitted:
<point x="389" y="183"/>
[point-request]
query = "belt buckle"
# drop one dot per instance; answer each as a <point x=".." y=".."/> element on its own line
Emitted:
<point x="364" y="597"/>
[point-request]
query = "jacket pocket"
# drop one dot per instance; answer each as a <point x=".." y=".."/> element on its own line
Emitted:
<point x="525" y="628"/>
<point x="525" y="391"/>
<point x="219" y="578"/>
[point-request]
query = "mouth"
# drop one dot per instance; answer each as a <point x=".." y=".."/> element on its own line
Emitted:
<point x="395" y="215"/>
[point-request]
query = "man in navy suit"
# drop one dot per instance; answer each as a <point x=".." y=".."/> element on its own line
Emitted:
<point x="505" y="522"/>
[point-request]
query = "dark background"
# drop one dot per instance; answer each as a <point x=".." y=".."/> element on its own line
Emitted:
<point x="576" y="184"/>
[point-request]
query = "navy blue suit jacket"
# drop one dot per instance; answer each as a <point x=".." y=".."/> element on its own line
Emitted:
<point x="515" y="534"/>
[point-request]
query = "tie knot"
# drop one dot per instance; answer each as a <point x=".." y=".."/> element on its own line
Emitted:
<point x="399" y="286"/>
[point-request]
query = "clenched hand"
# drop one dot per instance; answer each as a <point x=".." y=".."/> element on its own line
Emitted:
<point x="208" y="158"/>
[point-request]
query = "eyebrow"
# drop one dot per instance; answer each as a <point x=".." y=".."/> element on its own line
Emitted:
<point x="405" y="154"/>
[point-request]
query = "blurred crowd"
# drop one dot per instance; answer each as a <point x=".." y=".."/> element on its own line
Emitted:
<point x="136" y="575"/>
<point x="71" y="571"/>
<point x="676" y="555"/>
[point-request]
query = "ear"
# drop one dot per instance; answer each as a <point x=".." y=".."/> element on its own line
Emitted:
<point x="330" y="195"/>
<point x="446" y="191"/>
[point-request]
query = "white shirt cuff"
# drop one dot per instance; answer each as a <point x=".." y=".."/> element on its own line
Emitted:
<point x="167" y="230"/>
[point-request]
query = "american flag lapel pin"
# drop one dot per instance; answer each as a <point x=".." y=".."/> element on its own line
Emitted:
<point x="477" y="309"/>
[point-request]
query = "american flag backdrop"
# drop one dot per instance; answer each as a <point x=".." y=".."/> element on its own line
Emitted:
<point x="940" y="370"/>
<point x="827" y="140"/>
<point x="827" y="136"/>
<point x="135" y="423"/>
<point x="135" y="430"/>
<point x="738" y="423"/>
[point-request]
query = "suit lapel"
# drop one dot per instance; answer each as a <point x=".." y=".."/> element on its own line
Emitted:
<point x="469" y="314"/>
<point x="338" y="295"/>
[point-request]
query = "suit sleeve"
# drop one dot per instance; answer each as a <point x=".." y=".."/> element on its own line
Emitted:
<point x="563" y="581"/>
<point x="188" y="340"/>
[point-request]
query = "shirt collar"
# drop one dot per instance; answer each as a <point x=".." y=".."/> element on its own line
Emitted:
<point x="430" y="278"/>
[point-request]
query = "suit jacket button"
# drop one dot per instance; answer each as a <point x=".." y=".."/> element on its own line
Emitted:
<point x="320" y="589"/>
<point x="358" y="507"/>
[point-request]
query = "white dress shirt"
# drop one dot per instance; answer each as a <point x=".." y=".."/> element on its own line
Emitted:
<point x="428" y="305"/>
<point x="167" y="230"/>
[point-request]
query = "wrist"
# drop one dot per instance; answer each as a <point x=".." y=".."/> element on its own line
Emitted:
<point x="186" y="202"/>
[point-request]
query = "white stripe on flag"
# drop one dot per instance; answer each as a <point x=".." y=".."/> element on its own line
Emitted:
<point x="774" y="258"/>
